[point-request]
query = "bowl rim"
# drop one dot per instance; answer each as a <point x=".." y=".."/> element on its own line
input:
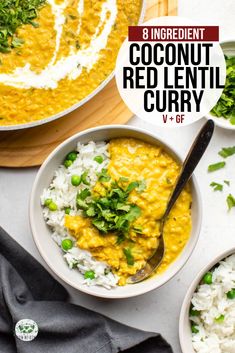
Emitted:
<point x="188" y="296"/>
<point x="76" y="105"/>
<point x="34" y="231"/>
<point x="221" y="121"/>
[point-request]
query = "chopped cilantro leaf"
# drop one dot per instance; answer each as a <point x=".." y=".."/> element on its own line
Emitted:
<point x="123" y="179"/>
<point x="227" y="151"/>
<point x="82" y="204"/>
<point x="142" y="186"/>
<point x="230" y="201"/>
<point x="138" y="229"/>
<point x="82" y="195"/>
<point x="216" y="166"/>
<point x="216" y="186"/>
<point x="17" y="42"/>
<point x="103" y="177"/>
<point x="132" y="186"/>
<point x="227" y="182"/>
<point x="101" y="225"/>
<point x="133" y="214"/>
<point x="129" y="257"/>
<point x="123" y="207"/>
<point x="90" y="212"/>
<point x="120" y="239"/>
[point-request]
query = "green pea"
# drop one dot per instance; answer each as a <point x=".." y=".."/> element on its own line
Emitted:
<point x="231" y="294"/>
<point x="53" y="206"/>
<point x="47" y="202"/>
<point x="194" y="328"/>
<point x="67" y="210"/>
<point x="207" y="279"/>
<point x="67" y="163"/>
<point x="219" y="319"/>
<point x="72" y="156"/>
<point x="99" y="159"/>
<point x="194" y="312"/>
<point x="66" y="244"/>
<point x="89" y="275"/>
<point x="76" y="180"/>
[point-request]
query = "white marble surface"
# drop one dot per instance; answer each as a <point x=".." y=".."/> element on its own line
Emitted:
<point x="158" y="310"/>
<point x="206" y="12"/>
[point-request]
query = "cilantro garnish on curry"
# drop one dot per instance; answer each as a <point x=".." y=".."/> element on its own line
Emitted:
<point x="113" y="211"/>
<point x="14" y="14"/>
<point x="117" y="219"/>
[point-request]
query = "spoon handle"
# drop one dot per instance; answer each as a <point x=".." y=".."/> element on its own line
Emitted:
<point x="194" y="155"/>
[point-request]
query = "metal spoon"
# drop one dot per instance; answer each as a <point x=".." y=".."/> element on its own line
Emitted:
<point x="194" y="155"/>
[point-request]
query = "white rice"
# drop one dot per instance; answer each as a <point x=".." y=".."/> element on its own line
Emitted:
<point x="63" y="193"/>
<point x="212" y="302"/>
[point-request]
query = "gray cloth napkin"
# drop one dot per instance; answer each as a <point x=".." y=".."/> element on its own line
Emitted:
<point x="27" y="291"/>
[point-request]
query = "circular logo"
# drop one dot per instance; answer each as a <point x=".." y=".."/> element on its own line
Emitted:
<point x="26" y="330"/>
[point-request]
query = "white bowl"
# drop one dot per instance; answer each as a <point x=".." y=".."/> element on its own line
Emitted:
<point x="228" y="49"/>
<point x="50" y="251"/>
<point x="185" y="333"/>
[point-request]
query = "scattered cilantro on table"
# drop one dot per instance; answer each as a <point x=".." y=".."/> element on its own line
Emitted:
<point x="216" y="166"/>
<point x="216" y="186"/>
<point x="225" y="107"/>
<point x="230" y="201"/>
<point x="227" y="151"/>
<point x="13" y="14"/>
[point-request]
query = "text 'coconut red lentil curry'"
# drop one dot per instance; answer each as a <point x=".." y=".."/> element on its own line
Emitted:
<point x="54" y="53"/>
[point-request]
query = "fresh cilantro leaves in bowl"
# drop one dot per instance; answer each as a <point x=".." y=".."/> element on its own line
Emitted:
<point x="223" y="112"/>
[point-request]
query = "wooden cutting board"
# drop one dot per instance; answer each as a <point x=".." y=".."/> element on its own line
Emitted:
<point x="29" y="147"/>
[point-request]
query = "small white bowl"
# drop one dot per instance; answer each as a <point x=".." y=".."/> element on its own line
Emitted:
<point x="228" y="49"/>
<point x="185" y="333"/>
<point x="50" y="251"/>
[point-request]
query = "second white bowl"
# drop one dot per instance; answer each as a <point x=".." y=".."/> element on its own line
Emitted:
<point x="185" y="333"/>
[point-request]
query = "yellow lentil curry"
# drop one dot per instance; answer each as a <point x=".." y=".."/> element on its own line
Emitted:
<point x="132" y="160"/>
<point x="64" y="58"/>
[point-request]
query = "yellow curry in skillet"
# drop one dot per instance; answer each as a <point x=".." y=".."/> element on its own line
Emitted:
<point x="121" y="226"/>
<point x="54" y="53"/>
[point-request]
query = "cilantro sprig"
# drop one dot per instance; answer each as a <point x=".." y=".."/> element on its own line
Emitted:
<point x="113" y="211"/>
<point x="13" y="14"/>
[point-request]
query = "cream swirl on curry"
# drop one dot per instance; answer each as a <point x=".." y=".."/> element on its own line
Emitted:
<point x="63" y="59"/>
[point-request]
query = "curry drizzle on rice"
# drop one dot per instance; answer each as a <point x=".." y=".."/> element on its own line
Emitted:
<point x="65" y="57"/>
<point x="152" y="173"/>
